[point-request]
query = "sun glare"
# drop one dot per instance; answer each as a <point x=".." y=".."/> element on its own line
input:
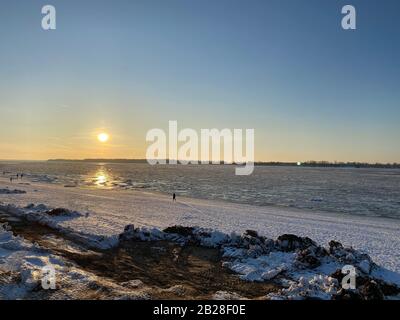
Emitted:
<point x="103" y="137"/>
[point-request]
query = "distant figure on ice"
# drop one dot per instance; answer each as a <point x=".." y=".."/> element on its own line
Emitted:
<point x="11" y="179"/>
<point x="174" y="197"/>
<point x="17" y="176"/>
<point x="22" y="175"/>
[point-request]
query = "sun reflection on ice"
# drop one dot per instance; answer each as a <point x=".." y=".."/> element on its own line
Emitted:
<point x="101" y="178"/>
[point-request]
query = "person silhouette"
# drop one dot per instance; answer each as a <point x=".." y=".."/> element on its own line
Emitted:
<point x="174" y="197"/>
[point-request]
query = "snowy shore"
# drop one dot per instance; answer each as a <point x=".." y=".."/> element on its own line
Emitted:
<point x="101" y="218"/>
<point x="296" y="267"/>
<point x="107" y="212"/>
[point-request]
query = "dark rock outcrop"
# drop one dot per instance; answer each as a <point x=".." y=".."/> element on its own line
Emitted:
<point x="291" y="242"/>
<point x="180" y="230"/>
<point x="58" y="212"/>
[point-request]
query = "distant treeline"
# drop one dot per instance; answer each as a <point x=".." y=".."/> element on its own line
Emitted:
<point x="271" y="163"/>
<point x="101" y="160"/>
<point x="333" y="164"/>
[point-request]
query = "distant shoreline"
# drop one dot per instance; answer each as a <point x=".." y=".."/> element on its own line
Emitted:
<point x="323" y="164"/>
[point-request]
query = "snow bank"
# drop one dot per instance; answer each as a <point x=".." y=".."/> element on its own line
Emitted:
<point x="54" y="218"/>
<point x="20" y="265"/>
<point x="21" y="272"/>
<point x="303" y="268"/>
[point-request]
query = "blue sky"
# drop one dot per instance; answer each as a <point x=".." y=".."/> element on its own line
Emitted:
<point x="286" y="68"/>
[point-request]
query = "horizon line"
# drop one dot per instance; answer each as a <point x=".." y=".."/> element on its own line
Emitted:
<point x="308" y="162"/>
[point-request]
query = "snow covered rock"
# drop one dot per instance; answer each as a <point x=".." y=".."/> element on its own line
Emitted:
<point x="316" y="287"/>
<point x="351" y="256"/>
<point x="8" y="191"/>
<point x="291" y="242"/>
<point x="306" y="267"/>
<point x="311" y="257"/>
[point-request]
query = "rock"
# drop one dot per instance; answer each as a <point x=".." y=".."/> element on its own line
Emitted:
<point x="388" y="289"/>
<point x="271" y="274"/>
<point x="367" y="289"/>
<point x="365" y="266"/>
<point x="351" y="256"/>
<point x="338" y="275"/>
<point x="129" y="232"/>
<point x="371" y="291"/>
<point x="255" y="251"/>
<point x="130" y="228"/>
<point x="133" y="284"/>
<point x="251" y="238"/>
<point x="39" y="208"/>
<point x="58" y="212"/>
<point x="183" y="231"/>
<point x="334" y="245"/>
<point x="179" y="290"/>
<point x="291" y="242"/>
<point x="224" y="295"/>
<point x="308" y="259"/>
<point x="251" y="233"/>
<point x="5" y="226"/>
<point x="8" y="191"/>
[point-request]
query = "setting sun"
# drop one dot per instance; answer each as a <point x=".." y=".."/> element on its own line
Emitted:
<point x="103" y="137"/>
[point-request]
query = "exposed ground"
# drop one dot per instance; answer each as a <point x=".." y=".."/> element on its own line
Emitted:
<point x="167" y="269"/>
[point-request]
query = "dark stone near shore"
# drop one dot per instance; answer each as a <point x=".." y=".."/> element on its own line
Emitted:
<point x="310" y="257"/>
<point x="251" y="233"/>
<point x="389" y="289"/>
<point x="350" y="256"/>
<point x="15" y="191"/>
<point x="366" y="288"/>
<point x="129" y="231"/>
<point x="334" y="245"/>
<point x="183" y="231"/>
<point x="291" y="242"/>
<point x="58" y="212"/>
<point x="250" y="239"/>
<point x="129" y="228"/>
<point x="338" y="275"/>
<point x="371" y="291"/>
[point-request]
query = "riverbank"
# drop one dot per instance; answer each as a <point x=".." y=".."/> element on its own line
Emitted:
<point x="175" y="263"/>
<point x="107" y="212"/>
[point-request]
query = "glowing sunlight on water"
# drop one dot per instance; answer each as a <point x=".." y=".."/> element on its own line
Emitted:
<point x="101" y="178"/>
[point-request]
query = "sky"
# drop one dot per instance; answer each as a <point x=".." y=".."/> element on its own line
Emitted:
<point x="286" y="68"/>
